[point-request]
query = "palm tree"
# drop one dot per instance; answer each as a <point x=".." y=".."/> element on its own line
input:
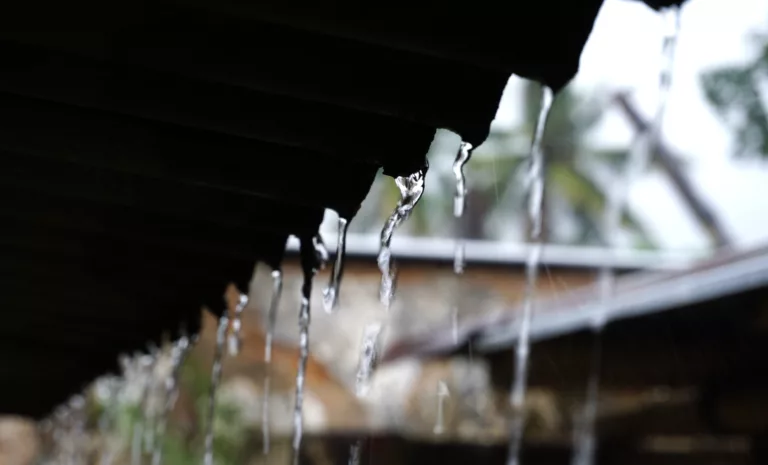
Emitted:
<point x="574" y="196"/>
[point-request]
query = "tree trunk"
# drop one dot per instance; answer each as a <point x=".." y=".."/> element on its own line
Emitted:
<point x="704" y="214"/>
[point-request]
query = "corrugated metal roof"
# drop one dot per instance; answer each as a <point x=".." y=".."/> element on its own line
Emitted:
<point x="509" y="253"/>
<point x="635" y="294"/>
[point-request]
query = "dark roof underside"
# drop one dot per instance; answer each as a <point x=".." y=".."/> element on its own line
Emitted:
<point x="151" y="151"/>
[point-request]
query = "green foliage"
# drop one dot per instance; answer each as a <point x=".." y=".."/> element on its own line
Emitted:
<point x="735" y="94"/>
<point x="495" y="174"/>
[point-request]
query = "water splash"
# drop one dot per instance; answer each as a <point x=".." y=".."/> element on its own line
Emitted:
<point x="179" y="353"/>
<point x="442" y="394"/>
<point x="274" y="303"/>
<point x="235" y="339"/>
<point x="368" y="360"/>
<point x="640" y="157"/>
<point x="331" y="292"/>
<point x="535" y="180"/>
<point x="309" y="269"/>
<point x="218" y="355"/>
<point x="460" y="200"/>
<point x="411" y="189"/>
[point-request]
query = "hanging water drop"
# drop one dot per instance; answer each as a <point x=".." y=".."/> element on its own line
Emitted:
<point x="460" y="200"/>
<point x="274" y="303"/>
<point x="331" y="293"/>
<point x="235" y="339"/>
<point x="442" y="393"/>
<point x="179" y="353"/>
<point x="535" y="182"/>
<point x="218" y="355"/>
<point x="310" y="269"/>
<point x="411" y="189"/>
<point x="321" y="251"/>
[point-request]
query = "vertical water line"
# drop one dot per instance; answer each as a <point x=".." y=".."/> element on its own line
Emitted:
<point x="640" y="156"/>
<point x="535" y="183"/>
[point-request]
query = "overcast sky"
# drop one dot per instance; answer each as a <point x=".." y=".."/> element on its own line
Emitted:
<point x="623" y="52"/>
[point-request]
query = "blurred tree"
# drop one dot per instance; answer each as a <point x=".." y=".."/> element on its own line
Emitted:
<point x="574" y="197"/>
<point x="737" y="94"/>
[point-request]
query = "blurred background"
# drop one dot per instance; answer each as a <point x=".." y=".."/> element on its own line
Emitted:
<point x="706" y="191"/>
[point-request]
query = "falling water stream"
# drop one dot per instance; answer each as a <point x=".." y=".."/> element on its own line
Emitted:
<point x="320" y="255"/>
<point x="368" y="360"/>
<point x="460" y="200"/>
<point x="535" y="182"/>
<point x="411" y="189"/>
<point x="235" y="338"/>
<point x="274" y="303"/>
<point x="640" y="157"/>
<point x="331" y="292"/>
<point x="459" y="204"/>
<point x="221" y="338"/>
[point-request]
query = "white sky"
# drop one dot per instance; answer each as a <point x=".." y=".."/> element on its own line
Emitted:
<point x="624" y="53"/>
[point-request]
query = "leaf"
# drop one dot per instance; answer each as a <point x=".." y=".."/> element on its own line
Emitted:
<point x="587" y="197"/>
<point x="735" y="96"/>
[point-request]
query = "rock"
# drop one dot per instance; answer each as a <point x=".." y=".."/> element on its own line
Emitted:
<point x="19" y="441"/>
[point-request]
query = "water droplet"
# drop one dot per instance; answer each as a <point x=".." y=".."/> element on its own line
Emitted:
<point x="274" y="304"/>
<point x="218" y="355"/>
<point x="460" y="197"/>
<point x="535" y="182"/>
<point x="331" y="293"/>
<point x="411" y="189"/>
<point x="368" y="359"/>
<point x="235" y="339"/>
<point x="442" y="393"/>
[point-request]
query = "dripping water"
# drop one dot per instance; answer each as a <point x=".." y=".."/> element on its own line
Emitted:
<point x="309" y="267"/>
<point x="235" y="339"/>
<point x="221" y="338"/>
<point x="459" y="204"/>
<point x="460" y="200"/>
<point x="535" y="180"/>
<point x="368" y="360"/>
<point x="274" y="303"/>
<point x="179" y="352"/>
<point x="411" y="189"/>
<point x="640" y="156"/>
<point x="442" y="393"/>
<point x="321" y="251"/>
<point x="331" y="293"/>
